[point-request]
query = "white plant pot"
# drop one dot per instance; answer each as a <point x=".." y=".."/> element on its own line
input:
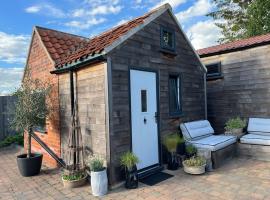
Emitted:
<point x="194" y="170"/>
<point x="99" y="183"/>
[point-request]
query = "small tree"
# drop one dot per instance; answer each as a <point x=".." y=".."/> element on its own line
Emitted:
<point x="31" y="107"/>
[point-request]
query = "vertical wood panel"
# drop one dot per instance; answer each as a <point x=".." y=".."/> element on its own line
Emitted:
<point x="245" y="89"/>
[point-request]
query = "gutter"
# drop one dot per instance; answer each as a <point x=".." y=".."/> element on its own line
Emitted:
<point x="205" y="96"/>
<point x="79" y="64"/>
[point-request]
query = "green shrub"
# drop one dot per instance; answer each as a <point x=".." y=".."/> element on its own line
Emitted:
<point x="171" y="141"/>
<point x="18" y="139"/>
<point x="195" y="161"/>
<point x="235" y="123"/>
<point x="190" y="149"/>
<point x="96" y="164"/>
<point x="128" y="160"/>
<point x="74" y="176"/>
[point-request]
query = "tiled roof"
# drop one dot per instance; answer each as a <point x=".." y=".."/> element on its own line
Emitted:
<point x="234" y="46"/>
<point x="97" y="44"/>
<point x="58" y="43"/>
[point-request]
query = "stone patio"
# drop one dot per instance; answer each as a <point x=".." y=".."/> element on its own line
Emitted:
<point x="238" y="179"/>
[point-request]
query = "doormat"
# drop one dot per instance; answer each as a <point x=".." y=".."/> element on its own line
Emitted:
<point x="156" y="178"/>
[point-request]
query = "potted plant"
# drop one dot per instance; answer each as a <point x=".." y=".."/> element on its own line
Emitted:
<point x="171" y="142"/>
<point x="235" y="126"/>
<point x="30" y="110"/>
<point x="190" y="151"/>
<point x="99" y="180"/>
<point x="73" y="179"/>
<point x="194" y="165"/>
<point x="129" y="160"/>
<point x="181" y="147"/>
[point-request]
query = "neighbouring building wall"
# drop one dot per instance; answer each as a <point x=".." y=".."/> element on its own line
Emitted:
<point x="90" y="86"/>
<point x="245" y="89"/>
<point x="39" y="66"/>
<point x="143" y="50"/>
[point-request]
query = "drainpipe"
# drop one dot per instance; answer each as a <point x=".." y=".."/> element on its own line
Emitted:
<point x="205" y="96"/>
<point x="71" y="91"/>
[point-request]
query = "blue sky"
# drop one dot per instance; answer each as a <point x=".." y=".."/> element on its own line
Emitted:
<point x="86" y="18"/>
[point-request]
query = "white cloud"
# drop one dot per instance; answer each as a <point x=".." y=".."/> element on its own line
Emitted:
<point x="85" y="24"/>
<point x="10" y="79"/>
<point x="46" y="9"/>
<point x="13" y="48"/>
<point x="204" y="34"/>
<point x="33" y="9"/>
<point x="104" y="10"/>
<point x="98" y="10"/>
<point x="199" y="8"/>
<point x="173" y="3"/>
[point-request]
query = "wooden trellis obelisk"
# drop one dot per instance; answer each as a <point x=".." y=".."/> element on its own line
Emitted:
<point x="75" y="150"/>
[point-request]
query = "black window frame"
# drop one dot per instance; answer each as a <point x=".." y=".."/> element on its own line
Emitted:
<point x="174" y="112"/>
<point x="162" y="45"/>
<point x="217" y="75"/>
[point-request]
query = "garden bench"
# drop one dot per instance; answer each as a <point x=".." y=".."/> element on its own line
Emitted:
<point x="201" y="135"/>
<point x="256" y="143"/>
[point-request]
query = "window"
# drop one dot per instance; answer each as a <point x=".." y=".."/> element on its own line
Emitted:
<point x="174" y="95"/>
<point x="41" y="128"/>
<point x="167" y="39"/>
<point x="214" y="71"/>
<point x="144" y="100"/>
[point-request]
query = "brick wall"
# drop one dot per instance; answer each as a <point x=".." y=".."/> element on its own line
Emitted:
<point x="40" y="65"/>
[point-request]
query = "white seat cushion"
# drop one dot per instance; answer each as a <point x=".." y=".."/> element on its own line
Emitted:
<point x="255" y="139"/>
<point x="196" y="129"/>
<point x="259" y="126"/>
<point x="213" y="142"/>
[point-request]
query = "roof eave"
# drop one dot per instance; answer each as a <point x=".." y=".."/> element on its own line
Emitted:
<point x="80" y="64"/>
<point x="233" y="50"/>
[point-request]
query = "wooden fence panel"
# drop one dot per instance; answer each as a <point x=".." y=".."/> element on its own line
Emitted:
<point x="6" y="102"/>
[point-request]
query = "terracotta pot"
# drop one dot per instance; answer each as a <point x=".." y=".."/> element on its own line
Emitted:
<point x="75" y="183"/>
<point x="194" y="170"/>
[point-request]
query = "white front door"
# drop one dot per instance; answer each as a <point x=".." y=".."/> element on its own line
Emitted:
<point x="144" y="123"/>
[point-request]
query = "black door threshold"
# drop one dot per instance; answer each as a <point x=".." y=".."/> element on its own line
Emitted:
<point x="150" y="172"/>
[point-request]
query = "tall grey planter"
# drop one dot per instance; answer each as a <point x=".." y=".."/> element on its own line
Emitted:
<point x="99" y="183"/>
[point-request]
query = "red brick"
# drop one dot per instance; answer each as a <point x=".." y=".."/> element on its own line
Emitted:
<point x="40" y="66"/>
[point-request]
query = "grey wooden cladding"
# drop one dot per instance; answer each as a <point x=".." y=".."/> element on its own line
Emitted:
<point x="143" y="51"/>
<point x="6" y="104"/>
<point x="245" y="89"/>
<point x="91" y="107"/>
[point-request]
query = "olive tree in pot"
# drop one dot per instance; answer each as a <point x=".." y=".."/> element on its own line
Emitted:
<point x="30" y="110"/>
<point x="129" y="160"/>
<point x="99" y="179"/>
<point x="171" y="142"/>
<point x="235" y="126"/>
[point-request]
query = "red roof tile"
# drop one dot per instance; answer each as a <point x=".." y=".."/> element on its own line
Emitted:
<point x="97" y="44"/>
<point x="236" y="45"/>
<point x="65" y="48"/>
<point x="58" y="43"/>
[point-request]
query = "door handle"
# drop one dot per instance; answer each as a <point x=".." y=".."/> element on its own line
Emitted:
<point x="156" y="117"/>
<point x="144" y="120"/>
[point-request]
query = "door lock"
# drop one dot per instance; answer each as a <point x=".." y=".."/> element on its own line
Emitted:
<point x="144" y="120"/>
